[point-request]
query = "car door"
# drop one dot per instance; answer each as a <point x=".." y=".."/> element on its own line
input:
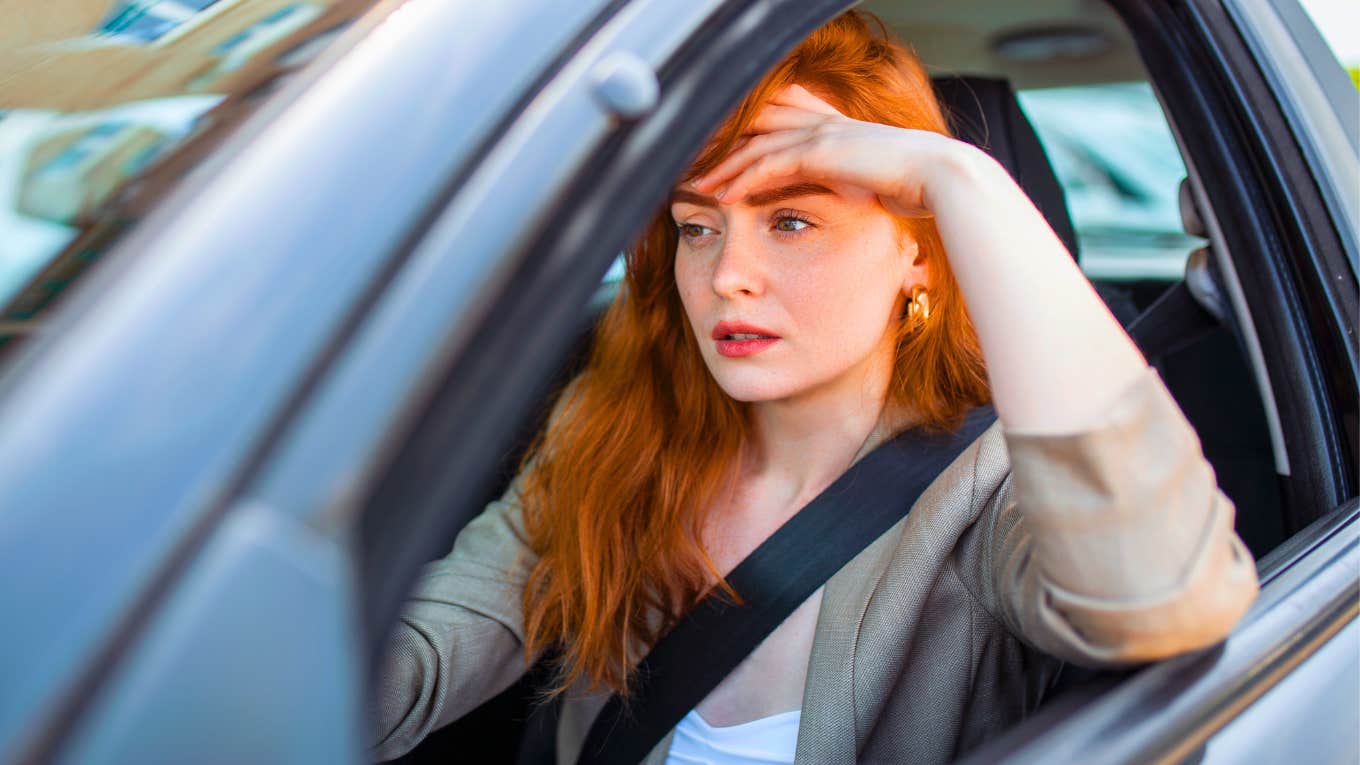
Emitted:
<point x="1268" y="120"/>
<point x="157" y="613"/>
<point x="350" y="467"/>
<point x="290" y="383"/>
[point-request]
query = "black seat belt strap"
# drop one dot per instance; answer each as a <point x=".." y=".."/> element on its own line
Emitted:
<point x="1175" y="319"/>
<point x="710" y="641"/>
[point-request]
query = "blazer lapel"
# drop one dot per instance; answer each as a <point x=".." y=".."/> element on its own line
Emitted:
<point x="827" y="727"/>
<point x="893" y="589"/>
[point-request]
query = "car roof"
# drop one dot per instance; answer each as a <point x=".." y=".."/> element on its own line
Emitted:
<point x="1033" y="44"/>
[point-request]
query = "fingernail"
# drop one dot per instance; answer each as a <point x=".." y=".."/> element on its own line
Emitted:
<point x="720" y="193"/>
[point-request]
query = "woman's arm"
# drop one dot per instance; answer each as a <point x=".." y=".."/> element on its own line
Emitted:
<point x="460" y="638"/>
<point x="1056" y="357"/>
<point x="1113" y="543"/>
<point x="1121" y="546"/>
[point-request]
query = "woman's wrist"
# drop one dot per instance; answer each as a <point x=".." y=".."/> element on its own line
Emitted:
<point x="959" y="176"/>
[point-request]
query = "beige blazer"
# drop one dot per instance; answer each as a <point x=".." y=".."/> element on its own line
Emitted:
<point x="1105" y="548"/>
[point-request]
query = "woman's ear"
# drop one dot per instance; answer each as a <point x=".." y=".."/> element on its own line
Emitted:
<point x="916" y="272"/>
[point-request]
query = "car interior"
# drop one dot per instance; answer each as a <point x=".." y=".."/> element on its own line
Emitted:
<point x="985" y="57"/>
<point x="1001" y="69"/>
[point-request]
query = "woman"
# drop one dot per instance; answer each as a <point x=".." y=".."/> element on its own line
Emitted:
<point x="834" y="269"/>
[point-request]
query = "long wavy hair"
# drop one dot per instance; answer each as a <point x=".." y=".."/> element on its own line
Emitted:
<point x="618" y="485"/>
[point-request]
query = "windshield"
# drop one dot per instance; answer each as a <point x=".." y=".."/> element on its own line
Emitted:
<point x="104" y="106"/>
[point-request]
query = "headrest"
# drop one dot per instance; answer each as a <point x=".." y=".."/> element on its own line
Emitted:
<point x="985" y="113"/>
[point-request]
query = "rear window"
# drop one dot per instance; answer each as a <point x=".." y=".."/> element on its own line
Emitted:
<point x="1115" y="156"/>
<point x="105" y="106"/>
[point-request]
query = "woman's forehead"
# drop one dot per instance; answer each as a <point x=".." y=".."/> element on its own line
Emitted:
<point x="766" y="195"/>
<point x="780" y="190"/>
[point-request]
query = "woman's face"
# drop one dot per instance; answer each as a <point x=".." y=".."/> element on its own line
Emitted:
<point x="794" y="289"/>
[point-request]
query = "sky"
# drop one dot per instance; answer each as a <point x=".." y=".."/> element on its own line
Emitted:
<point x="1339" y="22"/>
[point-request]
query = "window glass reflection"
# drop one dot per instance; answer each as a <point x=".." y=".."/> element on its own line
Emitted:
<point x="104" y="106"/>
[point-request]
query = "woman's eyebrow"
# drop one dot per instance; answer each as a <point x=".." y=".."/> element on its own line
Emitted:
<point x="755" y="198"/>
<point x="781" y="193"/>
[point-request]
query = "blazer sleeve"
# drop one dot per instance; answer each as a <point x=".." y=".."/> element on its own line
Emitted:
<point x="460" y="639"/>
<point x="1114" y="545"/>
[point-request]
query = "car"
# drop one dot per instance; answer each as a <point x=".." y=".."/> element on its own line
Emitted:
<point x="286" y="283"/>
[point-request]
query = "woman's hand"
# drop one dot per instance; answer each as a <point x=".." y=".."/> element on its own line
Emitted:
<point x="1055" y="356"/>
<point x="799" y="134"/>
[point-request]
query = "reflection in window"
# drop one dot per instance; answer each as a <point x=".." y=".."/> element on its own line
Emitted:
<point x="144" y="21"/>
<point x="92" y="101"/>
<point x="239" y="49"/>
<point x="61" y="169"/>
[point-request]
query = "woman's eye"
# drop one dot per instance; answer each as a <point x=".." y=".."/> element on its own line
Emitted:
<point x="790" y="224"/>
<point x="693" y="230"/>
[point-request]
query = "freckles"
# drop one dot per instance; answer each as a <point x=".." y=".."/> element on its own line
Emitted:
<point x="683" y="275"/>
<point x="689" y="284"/>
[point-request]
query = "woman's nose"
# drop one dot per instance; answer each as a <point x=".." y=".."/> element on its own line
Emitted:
<point x="740" y="268"/>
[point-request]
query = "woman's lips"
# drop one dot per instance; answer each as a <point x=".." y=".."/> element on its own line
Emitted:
<point x="738" y="348"/>
<point x="736" y="339"/>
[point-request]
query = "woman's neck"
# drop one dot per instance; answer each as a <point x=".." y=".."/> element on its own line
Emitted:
<point x="800" y="445"/>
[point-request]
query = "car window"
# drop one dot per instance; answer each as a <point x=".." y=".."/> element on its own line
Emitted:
<point x="1121" y="171"/>
<point x="103" y="112"/>
<point x="1119" y="166"/>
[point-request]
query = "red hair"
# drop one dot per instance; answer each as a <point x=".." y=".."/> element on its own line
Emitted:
<point x="618" y="485"/>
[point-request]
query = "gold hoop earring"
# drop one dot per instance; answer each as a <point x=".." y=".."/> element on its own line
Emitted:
<point x="918" y="305"/>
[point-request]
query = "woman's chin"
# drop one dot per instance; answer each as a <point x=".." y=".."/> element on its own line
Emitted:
<point x="753" y="391"/>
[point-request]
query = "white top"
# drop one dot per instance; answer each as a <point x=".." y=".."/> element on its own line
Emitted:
<point x="759" y="742"/>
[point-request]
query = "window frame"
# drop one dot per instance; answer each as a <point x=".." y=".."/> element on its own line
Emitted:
<point x="1242" y="158"/>
<point x="1272" y="223"/>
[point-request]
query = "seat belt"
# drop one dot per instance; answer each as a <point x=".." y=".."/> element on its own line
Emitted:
<point x="1174" y="320"/>
<point x="780" y="574"/>
<point x="777" y="577"/>
<point x="1189" y="309"/>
